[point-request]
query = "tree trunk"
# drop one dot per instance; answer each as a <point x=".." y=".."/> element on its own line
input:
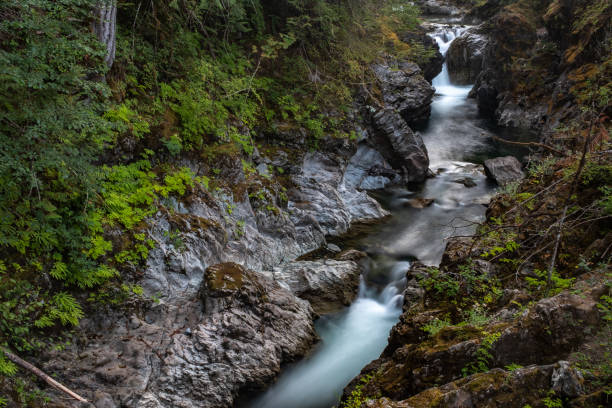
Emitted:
<point x="105" y="27"/>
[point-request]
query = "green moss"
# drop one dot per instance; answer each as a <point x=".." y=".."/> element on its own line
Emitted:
<point x="224" y="277"/>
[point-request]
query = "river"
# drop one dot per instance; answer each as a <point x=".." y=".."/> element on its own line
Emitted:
<point x="457" y="140"/>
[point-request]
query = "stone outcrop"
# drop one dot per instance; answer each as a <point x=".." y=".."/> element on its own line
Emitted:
<point x="536" y="58"/>
<point x="405" y="90"/>
<point x="216" y="332"/>
<point x="504" y="170"/>
<point x="400" y="146"/>
<point x="543" y="334"/>
<point x="495" y="389"/>
<point x="327" y="284"/>
<point x="232" y="335"/>
<point x="465" y="57"/>
<point x="433" y="65"/>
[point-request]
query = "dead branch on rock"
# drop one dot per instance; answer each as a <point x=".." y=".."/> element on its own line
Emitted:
<point x="40" y="374"/>
<point x="529" y="144"/>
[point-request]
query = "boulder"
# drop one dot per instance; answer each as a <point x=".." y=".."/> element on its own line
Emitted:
<point x="567" y="381"/>
<point x="328" y="284"/>
<point x="504" y="170"/>
<point x="465" y="57"/>
<point x="405" y="90"/>
<point x="399" y="145"/>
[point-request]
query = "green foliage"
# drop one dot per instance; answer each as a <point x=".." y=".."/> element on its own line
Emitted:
<point x="435" y="325"/>
<point x="539" y="283"/>
<point x="464" y="288"/>
<point x="357" y="398"/>
<point x="513" y="367"/>
<point x="6" y="366"/>
<point x="551" y="402"/>
<point x="483" y="355"/>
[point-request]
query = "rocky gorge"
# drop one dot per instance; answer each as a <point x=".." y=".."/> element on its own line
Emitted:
<point x="410" y="261"/>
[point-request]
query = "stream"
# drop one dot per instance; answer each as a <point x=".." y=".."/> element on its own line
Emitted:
<point x="457" y="140"/>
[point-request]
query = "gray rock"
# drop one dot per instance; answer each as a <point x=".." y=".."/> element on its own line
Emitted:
<point x="567" y="381"/>
<point x="405" y="90"/>
<point x="368" y="170"/>
<point x="465" y="57"/>
<point x="400" y="146"/>
<point x="504" y="170"/>
<point x="325" y="201"/>
<point x="328" y="284"/>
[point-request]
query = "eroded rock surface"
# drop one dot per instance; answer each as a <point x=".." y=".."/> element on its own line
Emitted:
<point x="327" y="284"/>
<point x="403" y="148"/>
<point x="232" y="335"/>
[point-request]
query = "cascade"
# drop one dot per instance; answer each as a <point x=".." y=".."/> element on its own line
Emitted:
<point x="455" y="136"/>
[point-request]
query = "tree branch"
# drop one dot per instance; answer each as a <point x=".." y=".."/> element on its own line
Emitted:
<point x="36" y="371"/>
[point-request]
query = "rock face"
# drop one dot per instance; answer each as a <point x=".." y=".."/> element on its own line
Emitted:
<point x="327" y="284"/>
<point x="465" y="57"/>
<point x="495" y="389"/>
<point x="535" y="56"/>
<point x="415" y="362"/>
<point x="368" y="170"/>
<point x="504" y="170"/>
<point x="218" y="331"/>
<point x="433" y="66"/>
<point x="201" y="353"/>
<point x="323" y="200"/>
<point x="405" y="90"/>
<point x="449" y="8"/>
<point x="403" y="148"/>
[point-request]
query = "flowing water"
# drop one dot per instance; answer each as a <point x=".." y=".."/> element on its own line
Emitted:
<point x="456" y="137"/>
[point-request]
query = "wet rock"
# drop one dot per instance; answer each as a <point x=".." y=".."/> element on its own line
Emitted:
<point x="405" y="90"/>
<point x="368" y="170"/>
<point x="328" y="285"/>
<point x="400" y="146"/>
<point x="324" y="202"/>
<point x="465" y="57"/>
<point x="547" y="331"/>
<point x="567" y="381"/>
<point x="420" y="203"/>
<point x="504" y="170"/>
<point x="467" y="181"/>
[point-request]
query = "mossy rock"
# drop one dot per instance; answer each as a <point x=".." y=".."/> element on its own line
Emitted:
<point x="225" y="278"/>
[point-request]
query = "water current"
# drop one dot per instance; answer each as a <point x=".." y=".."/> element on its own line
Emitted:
<point x="457" y="138"/>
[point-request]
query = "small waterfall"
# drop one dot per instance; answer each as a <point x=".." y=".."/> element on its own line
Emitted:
<point x="350" y="340"/>
<point x="354" y="337"/>
<point x="444" y="36"/>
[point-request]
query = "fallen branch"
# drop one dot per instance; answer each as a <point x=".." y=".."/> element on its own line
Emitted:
<point x="534" y="144"/>
<point x="36" y="371"/>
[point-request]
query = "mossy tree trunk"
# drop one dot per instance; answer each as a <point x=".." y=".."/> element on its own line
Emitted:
<point x="105" y="27"/>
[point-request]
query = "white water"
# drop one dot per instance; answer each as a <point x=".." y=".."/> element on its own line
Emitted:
<point x="351" y="339"/>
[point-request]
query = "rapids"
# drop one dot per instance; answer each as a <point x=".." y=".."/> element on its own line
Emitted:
<point x="456" y="139"/>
